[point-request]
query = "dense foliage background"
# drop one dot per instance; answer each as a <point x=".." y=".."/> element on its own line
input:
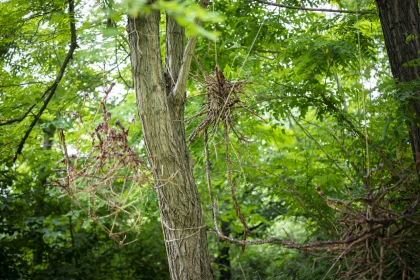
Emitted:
<point x="321" y="111"/>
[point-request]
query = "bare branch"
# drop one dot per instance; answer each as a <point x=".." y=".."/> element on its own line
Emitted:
<point x="53" y="87"/>
<point x="30" y="109"/>
<point x="317" y="246"/>
<point x="231" y="186"/>
<point x="19" y="85"/>
<point x="361" y="12"/>
<point x="18" y="119"/>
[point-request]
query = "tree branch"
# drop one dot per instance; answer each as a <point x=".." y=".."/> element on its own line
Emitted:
<point x="29" y="110"/>
<point x="181" y="82"/>
<point x="362" y="12"/>
<point x="19" y="85"/>
<point x="353" y="127"/>
<point x="53" y="87"/>
<point x="316" y="246"/>
<point x="18" y="119"/>
<point x="175" y="36"/>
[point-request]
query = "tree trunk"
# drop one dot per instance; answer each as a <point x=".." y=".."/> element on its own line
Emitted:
<point x="400" y="19"/>
<point x="162" y="115"/>
<point x="39" y="242"/>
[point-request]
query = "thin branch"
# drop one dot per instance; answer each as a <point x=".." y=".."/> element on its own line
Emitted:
<point x="43" y="14"/>
<point x="30" y="109"/>
<point x="310" y="136"/>
<point x="118" y="69"/>
<point x="208" y="178"/>
<point x="361" y="12"/>
<point x="18" y="119"/>
<point x="53" y="87"/>
<point x="231" y="186"/>
<point x="361" y="135"/>
<point x="267" y="51"/>
<point x="316" y="246"/>
<point x="19" y="85"/>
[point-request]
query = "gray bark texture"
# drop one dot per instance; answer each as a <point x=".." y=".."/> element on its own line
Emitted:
<point x="400" y="19"/>
<point x="161" y="110"/>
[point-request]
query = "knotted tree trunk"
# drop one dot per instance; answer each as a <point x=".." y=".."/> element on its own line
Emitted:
<point x="160" y="93"/>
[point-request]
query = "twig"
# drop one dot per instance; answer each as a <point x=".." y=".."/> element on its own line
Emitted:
<point x="232" y="188"/>
<point x="19" y="119"/>
<point x="361" y="12"/>
<point x="181" y="83"/>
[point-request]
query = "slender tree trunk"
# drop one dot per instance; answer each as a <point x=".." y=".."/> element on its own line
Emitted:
<point x="39" y="201"/>
<point x="162" y="114"/>
<point x="400" y="21"/>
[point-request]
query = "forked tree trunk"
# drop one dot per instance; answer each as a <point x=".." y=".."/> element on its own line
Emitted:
<point x="400" y="21"/>
<point x="161" y="112"/>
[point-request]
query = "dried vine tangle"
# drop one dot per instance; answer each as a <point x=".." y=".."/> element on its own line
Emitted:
<point x="107" y="181"/>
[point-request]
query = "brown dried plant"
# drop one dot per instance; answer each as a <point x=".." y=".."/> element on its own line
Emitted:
<point x="380" y="230"/>
<point x="222" y="98"/>
<point x="107" y="181"/>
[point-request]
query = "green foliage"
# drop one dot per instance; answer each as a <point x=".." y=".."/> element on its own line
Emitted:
<point x="317" y="84"/>
<point x="44" y="236"/>
<point x="185" y="12"/>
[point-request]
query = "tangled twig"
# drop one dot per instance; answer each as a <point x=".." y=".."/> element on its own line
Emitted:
<point x="107" y="181"/>
<point x="222" y="98"/>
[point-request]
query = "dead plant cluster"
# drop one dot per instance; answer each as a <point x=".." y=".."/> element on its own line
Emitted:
<point x="380" y="231"/>
<point x="222" y="98"/>
<point x="106" y="180"/>
<point x="380" y="237"/>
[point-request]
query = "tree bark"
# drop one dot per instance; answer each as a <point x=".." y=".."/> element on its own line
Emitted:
<point x="400" y="19"/>
<point x="162" y="115"/>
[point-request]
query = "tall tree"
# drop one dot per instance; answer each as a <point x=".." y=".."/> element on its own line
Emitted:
<point x="161" y="96"/>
